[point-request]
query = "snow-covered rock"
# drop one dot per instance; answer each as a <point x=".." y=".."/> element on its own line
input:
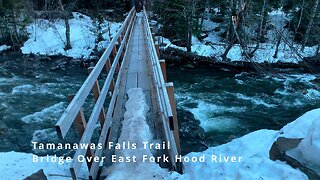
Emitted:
<point x="307" y="152"/>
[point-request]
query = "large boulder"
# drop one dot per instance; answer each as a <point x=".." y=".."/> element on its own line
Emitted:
<point x="278" y="152"/>
<point x="37" y="176"/>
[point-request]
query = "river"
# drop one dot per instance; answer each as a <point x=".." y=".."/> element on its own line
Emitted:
<point x="214" y="106"/>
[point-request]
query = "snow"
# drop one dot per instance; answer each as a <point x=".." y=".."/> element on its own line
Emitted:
<point x="253" y="149"/>
<point x="108" y="30"/>
<point x="308" y="127"/>
<point x="16" y="165"/>
<point x="48" y="37"/>
<point x="4" y="47"/>
<point x="300" y="127"/>
<point x="136" y="130"/>
<point x="213" y="46"/>
<point x="308" y="150"/>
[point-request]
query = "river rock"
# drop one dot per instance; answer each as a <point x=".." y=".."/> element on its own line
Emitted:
<point x="3" y="126"/>
<point x="37" y="176"/>
<point x="278" y="152"/>
<point x="45" y="59"/>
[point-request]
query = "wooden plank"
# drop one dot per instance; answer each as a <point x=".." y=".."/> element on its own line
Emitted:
<point x="132" y="80"/>
<point x="64" y="123"/>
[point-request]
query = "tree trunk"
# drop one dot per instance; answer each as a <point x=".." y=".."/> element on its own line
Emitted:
<point x="260" y="34"/>
<point x="15" y="29"/>
<point x="68" y="43"/>
<point x="66" y="22"/>
<point x="230" y="33"/>
<point x="300" y="18"/>
<point x="313" y="14"/>
<point x="277" y="47"/>
<point x="188" y="15"/>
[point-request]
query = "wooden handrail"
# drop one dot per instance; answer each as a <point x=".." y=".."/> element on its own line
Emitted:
<point x="87" y="135"/>
<point x="162" y="94"/>
<point x="64" y="123"/>
<point x="104" y="132"/>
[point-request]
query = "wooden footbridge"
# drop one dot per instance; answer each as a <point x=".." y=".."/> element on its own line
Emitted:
<point x="131" y="60"/>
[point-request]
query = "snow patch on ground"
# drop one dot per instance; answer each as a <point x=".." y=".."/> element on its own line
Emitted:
<point x="108" y="29"/>
<point x="16" y="165"/>
<point x="48" y="37"/>
<point x="255" y="164"/>
<point x="4" y="47"/>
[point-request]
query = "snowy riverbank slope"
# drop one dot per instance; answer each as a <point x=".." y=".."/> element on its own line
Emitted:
<point x="253" y="148"/>
<point x="214" y="46"/>
<point x="48" y="37"/>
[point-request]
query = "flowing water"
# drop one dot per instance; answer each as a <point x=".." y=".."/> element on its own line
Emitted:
<point x="32" y="98"/>
<point x="213" y="106"/>
<point x="227" y="105"/>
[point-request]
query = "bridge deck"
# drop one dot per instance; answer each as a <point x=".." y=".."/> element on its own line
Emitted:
<point x="136" y="74"/>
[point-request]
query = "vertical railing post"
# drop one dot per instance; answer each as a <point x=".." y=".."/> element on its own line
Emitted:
<point x="156" y="45"/>
<point x="153" y="37"/>
<point x="163" y="69"/>
<point x="170" y="90"/>
<point x="80" y="123"/>
<point x="96" y="93"/>
<point x="108" y="67"/>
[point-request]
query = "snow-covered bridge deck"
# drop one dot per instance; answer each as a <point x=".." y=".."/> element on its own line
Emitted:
<point x="131" y="61"/>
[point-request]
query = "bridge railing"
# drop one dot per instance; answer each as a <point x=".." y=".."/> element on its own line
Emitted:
<point x="168" y="117"/>
<point x="74" y="113"/>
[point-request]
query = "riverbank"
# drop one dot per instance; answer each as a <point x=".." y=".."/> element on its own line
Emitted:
<point x="180" y="58"/>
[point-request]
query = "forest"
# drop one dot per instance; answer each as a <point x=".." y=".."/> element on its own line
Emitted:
<point x="244" y="23"/>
